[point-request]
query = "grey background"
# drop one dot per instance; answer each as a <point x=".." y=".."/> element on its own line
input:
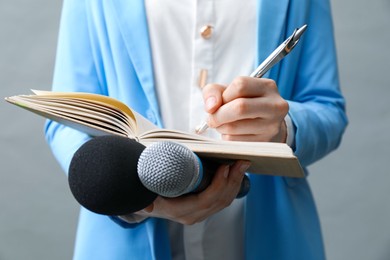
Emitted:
<point x="38" y="215"/>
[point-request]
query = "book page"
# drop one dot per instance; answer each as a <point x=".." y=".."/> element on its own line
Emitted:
<point x="159" y="133"/>
<point x="137" y="122"/>
<point x="143" y="125"/>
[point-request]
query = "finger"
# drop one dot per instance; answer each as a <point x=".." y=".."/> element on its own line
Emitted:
<point x="273" y="108"/>
<point x="238" y="109"/>
<point x="225" y="185"/>
<point x="255" y="126"/>
<point x="236" y="175"/>
<point x="212" y="96"/>
<point x="217" y="184"/>
<point x="248" y="87"/>
<point x="247" y="138"/>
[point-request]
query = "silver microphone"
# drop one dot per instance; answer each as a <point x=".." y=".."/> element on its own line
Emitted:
<point x="171" y="169"/>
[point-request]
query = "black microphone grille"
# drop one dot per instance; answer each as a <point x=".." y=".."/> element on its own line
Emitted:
<point x="103" y="176"/>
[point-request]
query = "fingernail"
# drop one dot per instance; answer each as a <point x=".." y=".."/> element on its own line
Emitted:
<point x="244" y="166"/>
<point x="210" y="102"/>
<point x="226" y="171"/>
<point x="149" y="208"/>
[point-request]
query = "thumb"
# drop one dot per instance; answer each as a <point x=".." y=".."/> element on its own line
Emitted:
<point x="212" y="96"/>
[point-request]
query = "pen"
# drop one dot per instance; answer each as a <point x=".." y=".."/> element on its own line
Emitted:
<point x="278" y="54"/>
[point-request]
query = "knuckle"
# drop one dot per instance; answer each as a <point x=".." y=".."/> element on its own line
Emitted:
<point x="241" y="107"/>
<point x="280" y="107"/>
<point x="240" y="84"/>
<point x="271" y="84"/>
<point x="207" y="89"/>
<point x="283" y="106"/>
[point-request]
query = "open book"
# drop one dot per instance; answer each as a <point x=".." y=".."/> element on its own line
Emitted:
<point x="101" y="115"/>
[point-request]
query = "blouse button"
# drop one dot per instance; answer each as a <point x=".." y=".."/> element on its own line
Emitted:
<point x="206" y="31"/>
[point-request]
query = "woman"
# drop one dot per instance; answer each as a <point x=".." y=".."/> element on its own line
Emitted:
<point x="179" y="62"/>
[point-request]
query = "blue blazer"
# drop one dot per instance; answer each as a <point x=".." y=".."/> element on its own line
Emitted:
<point x="104" y="48"/>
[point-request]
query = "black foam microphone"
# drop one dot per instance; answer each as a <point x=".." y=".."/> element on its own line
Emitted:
<point x="171" y="169"/>
<point x="103" y="176"/>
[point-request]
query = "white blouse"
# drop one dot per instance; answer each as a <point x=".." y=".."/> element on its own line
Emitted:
<point x="195" y="42"/>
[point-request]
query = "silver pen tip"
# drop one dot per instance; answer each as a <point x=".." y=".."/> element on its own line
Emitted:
<point x="201" y="128"/>
<point x="294" y="38"/>
<point x="299" y="32"/>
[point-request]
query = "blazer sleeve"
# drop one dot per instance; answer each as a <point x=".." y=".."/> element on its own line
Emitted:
<point x="74" y="72"/>
<point x="317" y="107"/>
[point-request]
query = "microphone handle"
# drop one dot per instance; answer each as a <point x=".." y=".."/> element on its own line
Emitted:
<point x="209" y="169"/>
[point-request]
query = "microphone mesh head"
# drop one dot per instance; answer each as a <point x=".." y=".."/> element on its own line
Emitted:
<point x="168" y="169"/>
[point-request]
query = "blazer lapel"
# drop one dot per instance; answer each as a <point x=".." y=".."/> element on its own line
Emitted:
<point x="272" y="18"/>
<point x="131" y="16"/>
